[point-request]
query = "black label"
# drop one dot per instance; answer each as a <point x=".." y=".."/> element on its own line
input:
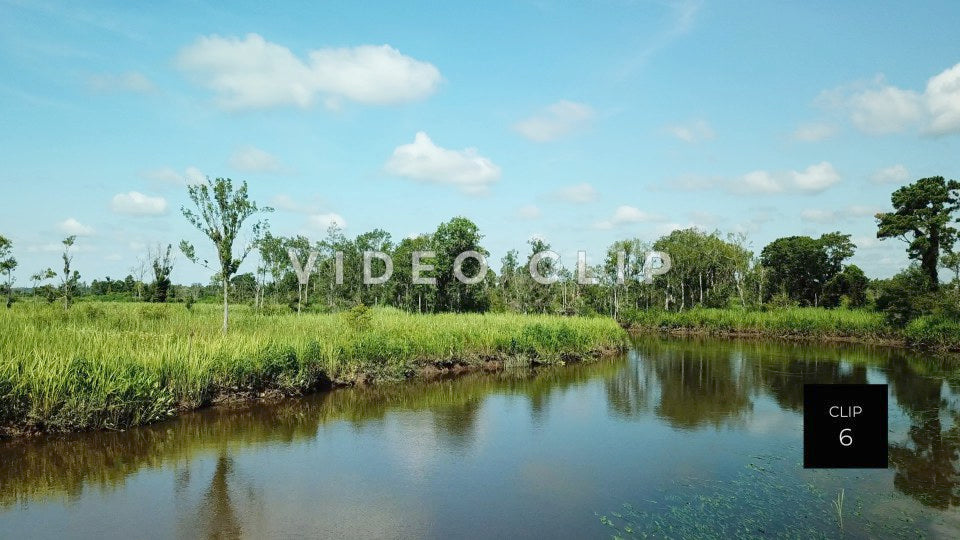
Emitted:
<point x="845" y="426"/>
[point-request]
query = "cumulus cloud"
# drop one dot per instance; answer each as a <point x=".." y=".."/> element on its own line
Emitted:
<point x="131" y="81"/>
<point x="878" y="108"/>
<point x="696" y="131"/>
<point x="627" y="215"/>
<point x="530" y="211"/>
<point x="580" y="193"/>
<point x="814" y="179"/>
<point x="814" y="131"/>
<point x="73" y="227"/>
<point x="251" y="72"/>
<point x="252" y="159"/>
<point x="137" y="204"/>
<point x="424" y="161"/>
<point x="894" y="174"/>
<point x="323" y="222"/>
<point x="167" y="176"/>
<point x="557" y="120"/>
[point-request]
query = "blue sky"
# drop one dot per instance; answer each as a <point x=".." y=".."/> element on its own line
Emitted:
<point x="583" y="123"/>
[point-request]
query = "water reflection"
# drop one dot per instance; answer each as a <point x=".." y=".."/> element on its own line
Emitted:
<point x="686" y="386"/>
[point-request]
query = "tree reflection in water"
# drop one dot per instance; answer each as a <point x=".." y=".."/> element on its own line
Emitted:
<point x="687" y="384"/>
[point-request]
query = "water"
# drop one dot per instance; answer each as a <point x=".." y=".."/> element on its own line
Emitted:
<point x="678" y="437"/>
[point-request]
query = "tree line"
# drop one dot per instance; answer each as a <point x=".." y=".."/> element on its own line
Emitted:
<point x="708" y="269"/>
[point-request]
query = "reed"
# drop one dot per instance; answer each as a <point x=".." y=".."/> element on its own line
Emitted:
<point x="115" y="365"/>
<point x="786" y="322"/>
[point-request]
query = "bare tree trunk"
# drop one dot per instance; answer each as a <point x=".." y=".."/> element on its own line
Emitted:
<point x="700" y="278"/>
<point x="226" y="305"/>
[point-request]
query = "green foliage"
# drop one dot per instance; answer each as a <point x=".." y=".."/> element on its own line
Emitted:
<point x="68" y="280"/>
<point x="848" y="288"/>
<point x="162" y="264"/>
<point x="114" y="365"/>
<point x="905" y="296"/>
<point x="801" y="267"/>
<point x="359" y="317"/>
<point x="7" y="265"/>
<point x="796" y="321"/>
<point x="220" y="213"/>
<point x="922" y="214"/>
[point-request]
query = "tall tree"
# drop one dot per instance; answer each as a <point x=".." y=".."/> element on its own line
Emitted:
<point x="450" y="240"/>
<point x="220" y="213"/>
<point x="7" y="265"/>
<point x="921" y="217"/>
<point x="69" y="280"/>
<point x="162" y="263"/>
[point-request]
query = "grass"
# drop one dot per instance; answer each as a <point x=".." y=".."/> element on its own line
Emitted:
<point x="934" y="332"/>
<point x="116" y="365"/>
<point x="786" y="322"/>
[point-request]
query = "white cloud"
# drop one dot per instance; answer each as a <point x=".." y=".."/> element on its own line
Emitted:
<point x="814" y="131"/>
<point x="168" y="176"/>
<point x="424" y="161"/>
<point x="252" y="159"/>
<point x="894" y="174"/>
<point x="878" y="108"/>
<point x="626" y="215"/>
<point x="580" y="193"/>
<point x="114" y="257"/>
<point x="557" y="120"/>
<point x="943" y="102"/>
<point x="529" y="211"/>
<point x="696" y="131"/>
<point x="818" y="216"/>
<point x="131" y="81"/>
<point x="322" y="222"/>
<point x="137" y="204"/>
<point x="254" y="73"/>
<point x="814" y="179"/>
<point x="850" y="213"/>
<point x="73" y="227"/>
<point x="885" y="110"/>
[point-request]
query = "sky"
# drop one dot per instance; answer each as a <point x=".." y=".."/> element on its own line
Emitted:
<point x="578" y="122"/>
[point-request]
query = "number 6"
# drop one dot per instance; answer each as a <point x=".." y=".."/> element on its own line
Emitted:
<point x="845" y="440"/>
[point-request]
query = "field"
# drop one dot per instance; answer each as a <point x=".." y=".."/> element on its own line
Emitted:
<point x="115" y="365"/>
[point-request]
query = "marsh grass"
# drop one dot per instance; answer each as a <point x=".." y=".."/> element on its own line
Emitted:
<point x="115" y="365"/>
<point x="786" y="322"/>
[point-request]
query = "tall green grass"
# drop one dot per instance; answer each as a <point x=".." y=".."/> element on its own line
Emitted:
<point x="113" y="365"/>
<point x="786" y="322"/>
<point x="933" y="331"/>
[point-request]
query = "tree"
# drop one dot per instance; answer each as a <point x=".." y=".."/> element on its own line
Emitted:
<point x="921" y="217"/>
<point x="49" y="292"/>
<point x="7" y="264"/>
<point x="162" y="264"/>
<point x="850" y="284"/>
<point x="68" y="280"/>
<point x="951" y="261"/>
<point x="800" y="266"/>
<point x="450" y="240"/>
<point x="220" y="213"/>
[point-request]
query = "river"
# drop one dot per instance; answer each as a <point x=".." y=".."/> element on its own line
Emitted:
<point x="678" y="437"/>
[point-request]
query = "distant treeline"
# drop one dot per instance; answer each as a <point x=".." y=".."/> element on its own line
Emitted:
<point x="709" y="269"/>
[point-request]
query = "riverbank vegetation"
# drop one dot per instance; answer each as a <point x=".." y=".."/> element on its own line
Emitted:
<point x="115" y="365"/>
<point x="115" y="353"/>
